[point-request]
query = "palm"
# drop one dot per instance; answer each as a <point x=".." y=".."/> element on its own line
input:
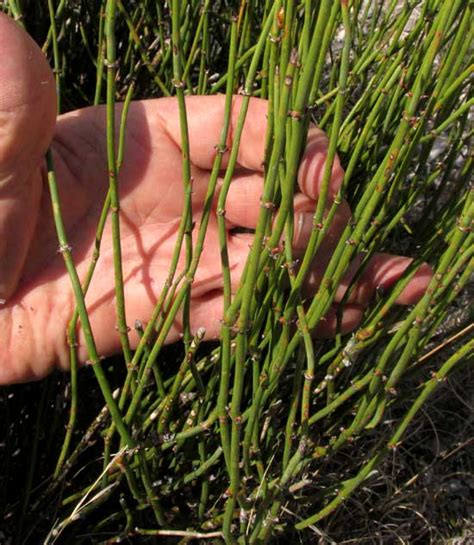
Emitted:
<point x="151" y="207"/>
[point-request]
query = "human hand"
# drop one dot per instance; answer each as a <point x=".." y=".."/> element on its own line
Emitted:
<point x="33" y="282"/>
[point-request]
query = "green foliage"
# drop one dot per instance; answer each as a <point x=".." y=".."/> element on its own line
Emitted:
<point x="239" y="439"/>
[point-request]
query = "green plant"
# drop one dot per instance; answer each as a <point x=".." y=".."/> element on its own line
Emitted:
<point x="218" y="445"/>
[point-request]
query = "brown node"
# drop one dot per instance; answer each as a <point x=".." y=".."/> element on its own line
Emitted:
<point x="463" y="228"/>
<point x="269" y="205"/>
<point x="244" y="92"/>
<point x="177" y="84"/>
<point x="294" y="114"/>
<point x="221" y="149"/>
<point x="111" y="64"/>
<point x="275" y="252"/>
<point x="62" y="248"/>
<point x="290" y="266"/>
<point x="125" y="329"/>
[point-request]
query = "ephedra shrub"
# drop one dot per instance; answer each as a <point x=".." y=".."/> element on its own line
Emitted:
<point x="242" y="440"/>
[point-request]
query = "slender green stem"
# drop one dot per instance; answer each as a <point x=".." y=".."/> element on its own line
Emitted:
<point x="110" y="62"/>
<point x="94" y="358"/>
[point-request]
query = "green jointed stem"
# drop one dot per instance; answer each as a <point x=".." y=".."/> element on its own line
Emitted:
<point x="100" y="56"/>
<point x="376" y="400"/>
<point x="222" y="227"/>
<point x="318" y="233"/>
<point x="328" y="33"/>
<point x="190" y="405"/>
<point x="373" y="193"/>
<point x="173" y="395"/>
<point x="253" y="261"/>
<point x="187" y="217"/>
<point x="295" y="398"/>
<point x="71" y="333"/>
<point x="131" y="369"/>
<point x="184" y="232"/>
<point x="57" y="15"/>
<point x="286" y="28"/>
<point x="143" y="53"/>
<point x="429" y="388"/>
<point x="298" y="129"/>
<point x="90" y="343"/>
<point x="449" y="120"/>
<point x="197" y="35"/>
<point x="57" y="65"/>
<point x="94" y="357"/>
<point x="313" y="243"/>
<point x="200" y="238"/>
<point x="110" y="62"/>
<point x="204" y="56"/>
<point x="465" y="224"/>
<point x="240" y="62"/>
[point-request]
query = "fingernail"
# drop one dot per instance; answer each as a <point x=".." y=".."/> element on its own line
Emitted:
<point x="303" y="228"/>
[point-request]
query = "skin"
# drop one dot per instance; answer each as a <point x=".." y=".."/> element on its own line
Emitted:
<point x="38" y="300"/>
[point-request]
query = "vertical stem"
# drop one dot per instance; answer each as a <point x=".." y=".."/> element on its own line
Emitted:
<point x="57" y="65"/>
<point x="226" y="332"/>
<point x="111" y="64"/>
<point x="187" y="217"/>
<point x="94" y="358"/>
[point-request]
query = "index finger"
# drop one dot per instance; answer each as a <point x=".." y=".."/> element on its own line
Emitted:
<point x="205" y="118"/>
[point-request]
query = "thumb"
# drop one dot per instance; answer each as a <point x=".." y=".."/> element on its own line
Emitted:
<point x="27" y="120"/>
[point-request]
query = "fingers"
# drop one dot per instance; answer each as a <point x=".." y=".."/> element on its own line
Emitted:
<point x="243" y="200"/>
<point x="381" y="273"/>
<point x="243" y="207"/>
<point x="205" y="117"/>
<point x="303" y="227"/>
<point x="209" y="275"/>
<point x="206" y="311"/>
<point x="313" y="162"/>
<point x="328" y="326"/>
<point x="27" y="119"/>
